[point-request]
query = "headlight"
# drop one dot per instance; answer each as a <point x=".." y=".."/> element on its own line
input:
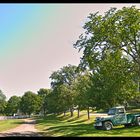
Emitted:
<point x="99" y="119"/>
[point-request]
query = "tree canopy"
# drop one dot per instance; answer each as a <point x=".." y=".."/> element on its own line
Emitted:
<point x="111" y="52"/>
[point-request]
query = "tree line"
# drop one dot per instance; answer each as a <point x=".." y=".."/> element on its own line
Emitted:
<point x="108" y="73"/>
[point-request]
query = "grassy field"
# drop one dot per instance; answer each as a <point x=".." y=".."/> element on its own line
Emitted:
<point x="79" y="127"/>
<point x="8" y="124"/>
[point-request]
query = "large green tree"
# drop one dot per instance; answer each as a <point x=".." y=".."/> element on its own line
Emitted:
<point x="113" y="84"/>
<point x="2" y="96"/>
<point x="116" y="29"/>
<point x="64" y="77"/>
<point x="82" y="87"/>
<point x="30" y="103"/>
<point x="115" y="32"/>
<point x="3" y="102"/>
<point x="13" y="105"/>
<point x="52" y="102"/>
<point x="43" y="93"/>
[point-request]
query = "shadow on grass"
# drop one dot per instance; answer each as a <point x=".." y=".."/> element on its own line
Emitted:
<point x="89" y="130"/>
<point x="60" y="126"/>
<point x="80" y="121"/>
<point x="74" y="118"/>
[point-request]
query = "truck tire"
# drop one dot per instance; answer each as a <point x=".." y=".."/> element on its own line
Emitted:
<point x="138" y="121"/>
<point x="107" y="125"/>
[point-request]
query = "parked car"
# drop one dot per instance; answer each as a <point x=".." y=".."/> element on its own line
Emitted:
<point x="117" y="116"/>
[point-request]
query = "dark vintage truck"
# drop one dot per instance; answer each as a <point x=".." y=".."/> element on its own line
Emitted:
<point x="117" y="116"/>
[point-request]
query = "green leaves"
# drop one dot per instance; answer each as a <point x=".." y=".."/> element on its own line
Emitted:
<point x="2" y="96"/>
<point x="30" y="103"/>
<point x="13" y="105"/>
<point x="111" y="51"/>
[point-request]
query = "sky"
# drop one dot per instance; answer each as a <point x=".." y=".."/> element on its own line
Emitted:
<point x="37" y="39"/>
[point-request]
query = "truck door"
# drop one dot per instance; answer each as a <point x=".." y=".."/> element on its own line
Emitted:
<point x="120" y="117"/>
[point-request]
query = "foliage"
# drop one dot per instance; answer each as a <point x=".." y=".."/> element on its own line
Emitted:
<point x="30" y="103"/>
<point x="2" y="96"/>
<point x="82" y="87"/>
<point x="63" y="76"/>
<point x="113" y="84"/>
<point x="3" y="102"/>
<point x="43" y="93"/>
<point x="114" y="30"/>
<point x="111" y="52"/>
<point x="62" y="87"/>
<point x="3" y="105"/>
<point x="13" y="105"/>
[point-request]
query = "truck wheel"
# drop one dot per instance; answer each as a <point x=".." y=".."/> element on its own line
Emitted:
<point x="107" y="125"/>
<point x="138" y="121"/>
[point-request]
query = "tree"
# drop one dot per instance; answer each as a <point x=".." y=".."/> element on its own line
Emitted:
<point x="30" y="103"/>
<point x="13" y="105"/>
<point x="2" y="96"/>
<point x="64" y="77"/>
<point x="52" y="102"/>
<point x="43" y="95"/>
<point x="66" y="98"/>
<point x="3" y="102"/>
<point x="113" y="84"/>
<point x="3" y="105"/>
<point x="115" y="32"/>
<point x="82" y="86"/>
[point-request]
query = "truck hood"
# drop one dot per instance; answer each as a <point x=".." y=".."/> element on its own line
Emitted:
<point x="104" y="117"/>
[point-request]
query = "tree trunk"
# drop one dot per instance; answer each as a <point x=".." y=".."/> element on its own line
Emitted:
<point x="78" y="112"/>
<point x="64" y="113"/>
<point x="138" y="86"/>
<point x="44" y="111"/>
<point x="88" y="113"/>
<point x="71" y="111"/>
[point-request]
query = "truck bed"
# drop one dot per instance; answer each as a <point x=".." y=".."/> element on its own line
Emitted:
<point x="132" y="116"/>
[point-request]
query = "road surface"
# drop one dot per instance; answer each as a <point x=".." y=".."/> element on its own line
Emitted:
<point x="24" y="130"/>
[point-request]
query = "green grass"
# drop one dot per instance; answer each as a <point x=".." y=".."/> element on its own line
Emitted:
<point x="78" y="127"/>
<point x="9" y="124"/>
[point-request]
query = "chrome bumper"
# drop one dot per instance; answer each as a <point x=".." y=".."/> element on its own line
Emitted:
<point x="98" y="124"/>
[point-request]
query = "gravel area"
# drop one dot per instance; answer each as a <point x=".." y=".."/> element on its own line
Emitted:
<point x="24" y="130"/>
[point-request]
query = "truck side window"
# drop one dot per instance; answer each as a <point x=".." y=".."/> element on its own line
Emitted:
<point x="121" y="111"/>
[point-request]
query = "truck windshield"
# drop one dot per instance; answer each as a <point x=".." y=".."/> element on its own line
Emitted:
<point x="111" y="111"/>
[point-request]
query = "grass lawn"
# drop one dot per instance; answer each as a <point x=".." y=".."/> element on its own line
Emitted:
<point x="9" y="124"/>
<point x="79" y="127"/>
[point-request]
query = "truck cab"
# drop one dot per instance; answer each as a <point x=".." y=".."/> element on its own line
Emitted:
<point x="116" y="116"/>
<point x="119" y="115"/>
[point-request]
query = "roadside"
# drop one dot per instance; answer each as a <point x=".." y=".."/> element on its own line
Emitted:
<point x="24" y="130"/>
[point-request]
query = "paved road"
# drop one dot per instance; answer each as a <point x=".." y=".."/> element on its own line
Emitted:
<point x="24" y="130"/>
